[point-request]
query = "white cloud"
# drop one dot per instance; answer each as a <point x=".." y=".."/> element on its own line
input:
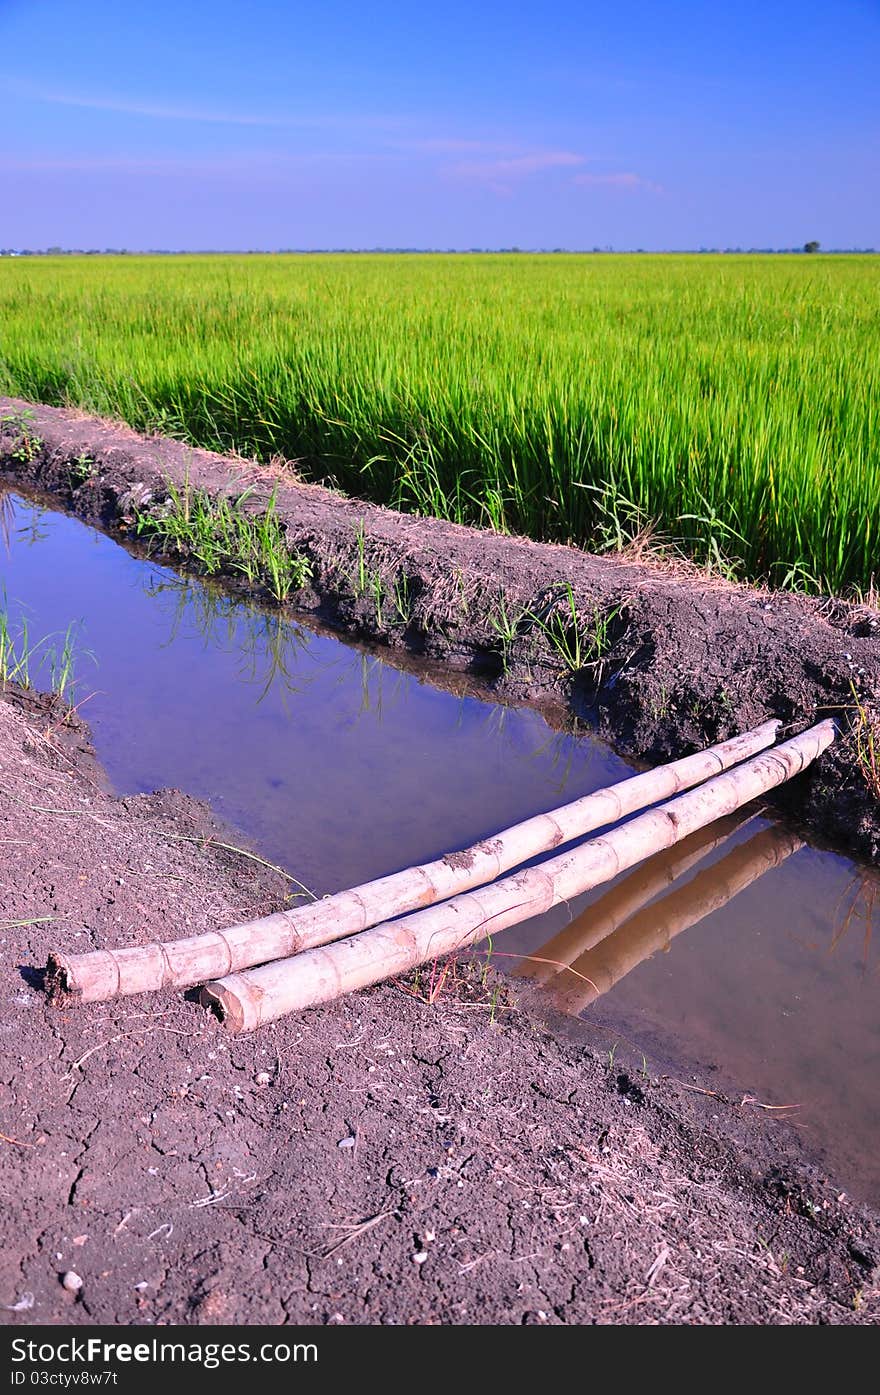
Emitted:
<point x="519" y="166"/>
<point x="621" y="180"/>
<point x="160" y="112"/>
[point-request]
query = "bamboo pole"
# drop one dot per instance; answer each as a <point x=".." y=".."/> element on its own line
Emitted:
<point x="612" y="910"/>
<point x="655" y="927"/>
<point x="245" y="1001"/>
<point x="107" y="973"/>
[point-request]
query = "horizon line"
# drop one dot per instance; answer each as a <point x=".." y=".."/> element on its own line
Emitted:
<point x="801" y="250"/>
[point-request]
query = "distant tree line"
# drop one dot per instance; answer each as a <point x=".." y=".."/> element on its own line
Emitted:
<point x="808" y="248"/>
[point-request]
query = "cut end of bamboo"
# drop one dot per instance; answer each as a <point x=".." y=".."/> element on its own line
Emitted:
<point x="225" y="1002"/>
<point x="58" y="981"/>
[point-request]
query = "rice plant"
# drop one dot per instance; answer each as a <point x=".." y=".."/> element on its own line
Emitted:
<point x="730" y="402"/>
<point x="578" y="641"/>
<point x="221" y="534"/>
<point x="25" y="662"/>
<point x="17" y="652"/>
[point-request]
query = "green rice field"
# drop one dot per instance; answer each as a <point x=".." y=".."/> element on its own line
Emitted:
<point x="732" y="401"/>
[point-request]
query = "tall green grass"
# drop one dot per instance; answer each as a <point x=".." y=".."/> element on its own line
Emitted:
<point x="734" y="400"/>
<point x="25" y="662"/>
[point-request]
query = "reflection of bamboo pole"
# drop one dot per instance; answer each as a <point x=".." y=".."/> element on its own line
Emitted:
<point x="105" y="973"/>
<point x="654" y="927"/>
<point x="622" y="901"/>
<point x="244" y="1001"/>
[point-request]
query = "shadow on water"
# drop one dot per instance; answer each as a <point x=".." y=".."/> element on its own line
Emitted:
<point x="629" y="895"/>
<point x="607" y="950"/>
<point x="340" y="768"/>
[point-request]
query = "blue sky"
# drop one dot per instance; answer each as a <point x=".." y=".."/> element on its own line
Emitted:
<point x="267" y="124"/>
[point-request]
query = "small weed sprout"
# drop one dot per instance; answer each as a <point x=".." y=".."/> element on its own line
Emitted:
<point x="428" y="987"/>
<point x="867" y="596"/>
<point x="463" y="979"/>
<point x="368" y="581"/>
<point x="484" y="977"/>
<point x="577" y="644"/>
<point x="378" y="591"/>
<point x="620" y="524"/>
<point x="866" y="735"/>
<point x="219" y="534"/>
<point x="798" y="578"/>
<point x="360" y="584"/>
<point x="16" y="652"/>
<point x="61" y="663"/>
<point x="29" y="443"/>
<point x="506" y="626"/>
<point x="402" y="599"/>
<point x="81" y="469"/>
<point x="496" y="993"/>
<point x="661" y="706"/>
<point x="21" y="659"/>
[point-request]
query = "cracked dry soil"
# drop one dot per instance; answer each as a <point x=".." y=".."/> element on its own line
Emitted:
<point x="375" y="1161"/>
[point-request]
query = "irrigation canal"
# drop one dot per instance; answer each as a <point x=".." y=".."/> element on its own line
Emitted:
<point x="747" y="958"/>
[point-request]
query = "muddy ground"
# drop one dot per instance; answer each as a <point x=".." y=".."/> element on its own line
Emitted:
<point x="380" y="1160"/>
<point x="686" y="659"/>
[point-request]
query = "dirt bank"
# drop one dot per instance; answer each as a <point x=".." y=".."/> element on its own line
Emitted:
<point x="662" y="660"/>
<point x="377" y="1161"/>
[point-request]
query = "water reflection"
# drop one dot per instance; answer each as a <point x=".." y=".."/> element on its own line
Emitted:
<point x="26" y="525"/>
<point x="278" y="655"/>
<point x="268" y="645"/>
<point x="857" y="907"/>
<point x="7" y="513"/>
<point x="612" y="938"/>
<point x="626" y="897"/>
